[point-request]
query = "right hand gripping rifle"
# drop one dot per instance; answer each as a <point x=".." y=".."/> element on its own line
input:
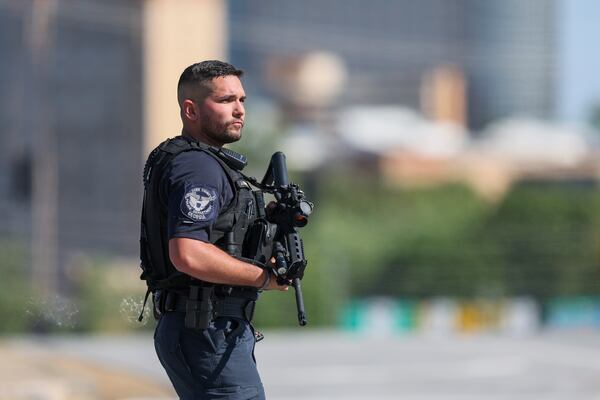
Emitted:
<point x="291" y="211"/>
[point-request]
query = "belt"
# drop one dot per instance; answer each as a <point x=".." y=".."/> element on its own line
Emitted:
<point x="235" y="307"/>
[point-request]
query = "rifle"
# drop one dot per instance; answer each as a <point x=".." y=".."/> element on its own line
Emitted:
<point x="291" y="211"/>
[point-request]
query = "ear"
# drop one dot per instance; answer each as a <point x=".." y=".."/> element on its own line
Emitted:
<point x="189" y="110"/>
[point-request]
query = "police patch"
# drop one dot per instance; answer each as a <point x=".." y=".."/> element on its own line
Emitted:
<point x="198" y="203"/>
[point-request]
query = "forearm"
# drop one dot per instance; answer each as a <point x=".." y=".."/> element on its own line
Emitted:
<point x="208" y="263"/>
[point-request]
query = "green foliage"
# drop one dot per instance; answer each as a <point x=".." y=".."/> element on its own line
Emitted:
<point x="365" y="239"/>
<point x="548" y="238"/>
<point x="408" y="243"/>
<point x="15" y="293"/>
<point x="110" y="297"/>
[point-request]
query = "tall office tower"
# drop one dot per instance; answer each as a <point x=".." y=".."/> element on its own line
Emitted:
<point x="511" y="59"/>
<point x="87" y="87"/>
<point x="71" y="125"/>
<point x="386" y="45"/>
<point x="504" y="49"/>
<point x="71" y="118"/>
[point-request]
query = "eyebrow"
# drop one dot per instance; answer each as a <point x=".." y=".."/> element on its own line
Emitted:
<point x="230" y="97"/>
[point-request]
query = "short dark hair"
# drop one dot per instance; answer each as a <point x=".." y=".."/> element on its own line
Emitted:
<point x="203" y="72"/>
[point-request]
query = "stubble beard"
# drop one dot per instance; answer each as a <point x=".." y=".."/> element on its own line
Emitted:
<point x="222" y="133"/>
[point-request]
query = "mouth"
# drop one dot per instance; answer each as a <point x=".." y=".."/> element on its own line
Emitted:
<point x="238" y="124"/>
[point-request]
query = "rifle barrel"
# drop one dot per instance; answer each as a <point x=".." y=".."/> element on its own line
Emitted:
<point x="299" y="302"/>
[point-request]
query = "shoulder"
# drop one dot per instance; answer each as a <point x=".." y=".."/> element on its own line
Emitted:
<point x="197" y="169"/>
<point x="196" y="162"/>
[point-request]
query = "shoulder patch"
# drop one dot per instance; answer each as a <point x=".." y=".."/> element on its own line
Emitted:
<point x="198" y="203"/>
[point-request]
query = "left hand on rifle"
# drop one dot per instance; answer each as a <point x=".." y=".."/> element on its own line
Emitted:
<point x="273" y="281"/>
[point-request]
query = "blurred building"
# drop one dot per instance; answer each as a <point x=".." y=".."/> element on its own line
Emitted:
<point x="511" y="59"/>
<point x="505" y="50"/>
<point x="88" y="87"/>
<point x="71" y="121"/>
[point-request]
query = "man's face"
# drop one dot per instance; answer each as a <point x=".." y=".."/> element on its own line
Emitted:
<point x="221" y="112"/>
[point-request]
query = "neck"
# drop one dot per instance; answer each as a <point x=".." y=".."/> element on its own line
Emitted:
<point x="200" y="137"/>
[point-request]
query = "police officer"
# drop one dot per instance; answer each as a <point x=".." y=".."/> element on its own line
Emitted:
<point x="195" y="221"/>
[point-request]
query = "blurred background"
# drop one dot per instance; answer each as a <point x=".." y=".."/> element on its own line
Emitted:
<point x="451" y="148"/>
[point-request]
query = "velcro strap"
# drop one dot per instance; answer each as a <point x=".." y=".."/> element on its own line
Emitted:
<point x="235" y="307"/>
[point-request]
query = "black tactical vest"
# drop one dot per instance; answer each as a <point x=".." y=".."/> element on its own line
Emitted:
<point x="240" y="229"/>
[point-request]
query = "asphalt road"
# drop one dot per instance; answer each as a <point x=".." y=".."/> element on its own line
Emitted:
<point x="310" y="365"/>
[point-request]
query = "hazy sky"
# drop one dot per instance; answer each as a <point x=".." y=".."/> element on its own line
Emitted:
<point x="579" y="58"/>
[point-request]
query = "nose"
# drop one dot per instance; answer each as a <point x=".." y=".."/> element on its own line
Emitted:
<point x="239" y="110"/>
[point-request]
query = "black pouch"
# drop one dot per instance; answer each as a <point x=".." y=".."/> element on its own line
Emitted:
<point x="258" y="242"/>
<point x="199" y="307"/>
